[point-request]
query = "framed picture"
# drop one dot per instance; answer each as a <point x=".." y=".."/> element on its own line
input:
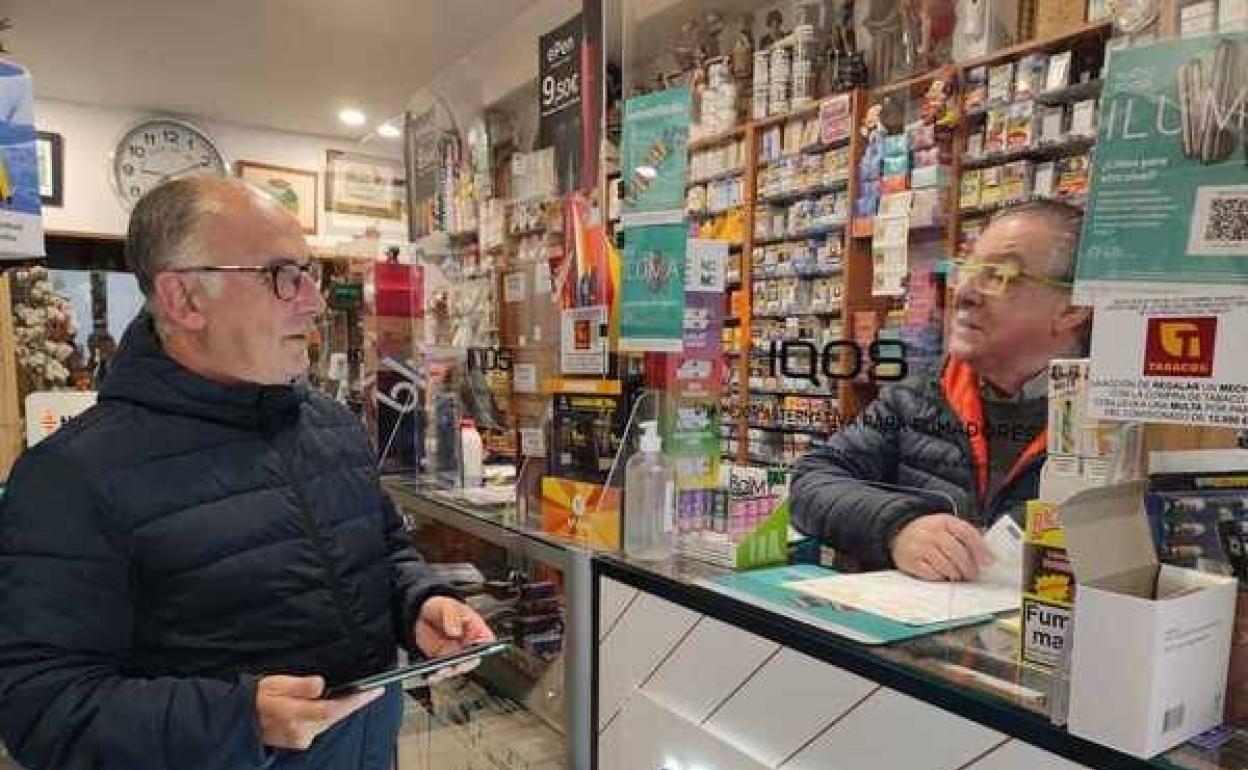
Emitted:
<point x="294" y="188"/>
<point x="364" y="186"/>
<point x="50" y="157"/>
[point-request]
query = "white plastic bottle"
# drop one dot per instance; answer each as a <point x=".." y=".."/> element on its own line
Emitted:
<point x="649" y="499"/>
<point x="472" y="453"/>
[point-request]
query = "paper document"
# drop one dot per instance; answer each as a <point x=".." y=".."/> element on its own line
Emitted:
<point x="896" y="595"/>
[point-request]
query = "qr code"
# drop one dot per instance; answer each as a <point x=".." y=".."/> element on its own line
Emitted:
<point x="1219" y="225"/>
<point x="1228" y="220"/>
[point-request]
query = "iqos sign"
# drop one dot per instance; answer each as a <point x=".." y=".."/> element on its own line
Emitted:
<point x="882" y="360"/>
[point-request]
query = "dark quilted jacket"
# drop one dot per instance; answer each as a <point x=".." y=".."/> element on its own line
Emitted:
<point x="911" y="437"/>
<point x="174" y="542"/>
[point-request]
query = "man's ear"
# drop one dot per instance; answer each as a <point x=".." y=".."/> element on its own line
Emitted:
<point x="177" y="303"/>
<point x="1073" y="318"/>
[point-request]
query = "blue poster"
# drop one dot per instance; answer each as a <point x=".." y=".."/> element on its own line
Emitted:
<point x="21" y="226"/>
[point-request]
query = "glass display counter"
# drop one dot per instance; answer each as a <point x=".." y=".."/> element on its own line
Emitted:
<point x="527" y="709"/>
<point x="713" y="680"/>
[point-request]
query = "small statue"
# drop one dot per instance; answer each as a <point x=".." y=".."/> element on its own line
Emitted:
<point x="685" y="48"/>
<point x="708" y="31"/>
<point x="775" y="30"/>
<point x="742" y="57"/>
<point x="935" y="108"/>
<point x="873" y="131"/>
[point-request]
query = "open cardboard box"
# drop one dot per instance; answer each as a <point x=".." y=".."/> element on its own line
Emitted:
<point x="1151" y="641"/>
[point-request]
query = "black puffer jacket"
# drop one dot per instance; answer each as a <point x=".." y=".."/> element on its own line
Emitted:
<point x="917" y="449"/>
<point x="177" y="540"/>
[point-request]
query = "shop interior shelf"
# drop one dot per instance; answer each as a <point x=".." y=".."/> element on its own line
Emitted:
<point x="805" y="192"/>
<point x="706" y="142"/>
<point x="809" y="149"/>
<point x="781" y="428"/>
<point x="1076" y="92"/>
<point x="1046" y="151"/>
<point x="810" y="276"/>
<point x="831" y="313"/>
<point x="803" y="235"/>
<point x="726" y="174"/>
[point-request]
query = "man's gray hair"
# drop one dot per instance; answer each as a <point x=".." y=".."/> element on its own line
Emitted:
<point x="1065" y="219"/>
<point x="164" y="228"/>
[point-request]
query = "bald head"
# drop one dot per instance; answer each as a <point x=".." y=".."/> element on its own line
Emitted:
<point x="1046" y="236"/>
<point x="169" y="225"/>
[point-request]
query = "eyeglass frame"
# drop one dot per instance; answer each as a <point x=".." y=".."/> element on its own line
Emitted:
<point x="1008" y="276"/>
<point x="273" y="269"/>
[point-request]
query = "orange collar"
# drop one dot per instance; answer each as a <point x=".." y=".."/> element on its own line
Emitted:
<point x="961" y="387"/>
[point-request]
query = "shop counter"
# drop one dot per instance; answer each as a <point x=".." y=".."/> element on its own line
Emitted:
<point x="688" y="677"/>
<point x="528" y="708"/>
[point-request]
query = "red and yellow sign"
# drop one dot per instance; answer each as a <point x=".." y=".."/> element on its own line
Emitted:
<point x="1180" y="347"/>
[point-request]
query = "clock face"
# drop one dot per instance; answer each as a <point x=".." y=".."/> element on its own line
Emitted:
<point x="158" y="150"/>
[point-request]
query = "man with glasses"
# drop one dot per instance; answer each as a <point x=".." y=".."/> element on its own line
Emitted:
<point x="184" y="568"/>
<point x="935" y="459"/>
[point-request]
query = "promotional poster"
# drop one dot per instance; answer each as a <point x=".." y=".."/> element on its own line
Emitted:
<point x="653" y="158"/>
<point x="1170" y="359"/>
<point x="21" y="223"/>
<point x="652" y="296"/>
<point x="1169" y="198"/>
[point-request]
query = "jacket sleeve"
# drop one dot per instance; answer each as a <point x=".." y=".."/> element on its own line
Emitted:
<point x="68" y="602"/>
<point x="832" y="500"/>
<point x="414" y="581"/>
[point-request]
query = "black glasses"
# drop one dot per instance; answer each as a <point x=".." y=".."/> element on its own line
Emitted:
<point x="286" y="277"/>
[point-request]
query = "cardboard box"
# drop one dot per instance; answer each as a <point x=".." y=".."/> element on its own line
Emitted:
<point x="1152" y="642"/>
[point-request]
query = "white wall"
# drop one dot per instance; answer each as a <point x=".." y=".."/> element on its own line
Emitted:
<point x="89" y="135"/>
<point x="504" y="62"/>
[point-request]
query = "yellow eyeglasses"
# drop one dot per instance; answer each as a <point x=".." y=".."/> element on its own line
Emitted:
<point x="993" y="278"/>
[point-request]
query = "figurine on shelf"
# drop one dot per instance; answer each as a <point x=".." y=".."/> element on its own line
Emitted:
<point x="873" y="131"/>
<point x="936" y="23"/>
<point x="775" y="30"/>
<point x="936" y="109"/>
<point x="709" y="30"/>
<point x="685" y="48"/>
<point x="883" y="21"/>
<point x="742" y="57"/>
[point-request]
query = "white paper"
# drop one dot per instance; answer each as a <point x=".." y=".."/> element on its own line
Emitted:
<point x="706" y="266"/>
<point x="896" y="595"/>
<point x="524" y="378"/>
<point x="541" y="279"/>
<point x="1171" y="359"/>
<point x="584" y="348"/>
<point x="1005" y="541"/>
<point x="532" y="442"/>
<point x="513" y="287"/>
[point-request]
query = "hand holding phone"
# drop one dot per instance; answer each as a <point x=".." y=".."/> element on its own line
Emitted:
<point x="425" y="671"/>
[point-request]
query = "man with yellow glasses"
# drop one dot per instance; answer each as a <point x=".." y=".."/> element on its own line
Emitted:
<point x="941" y="456"/>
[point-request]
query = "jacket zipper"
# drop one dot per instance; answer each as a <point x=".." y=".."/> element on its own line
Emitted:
<point x="314" y="531"/>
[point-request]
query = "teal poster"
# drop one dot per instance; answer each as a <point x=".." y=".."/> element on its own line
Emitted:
<point x="652" y="291"/>
<point x="21" y="223"/>
<point x="1168" y="207"/>
<point x="653" y="157"/>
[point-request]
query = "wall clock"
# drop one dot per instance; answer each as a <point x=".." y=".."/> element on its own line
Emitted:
<point x="158" y="149"/>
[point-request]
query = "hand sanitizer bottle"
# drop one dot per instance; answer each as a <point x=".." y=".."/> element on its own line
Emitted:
<point x="649" y="499"/>
<point x="472" y="453"/>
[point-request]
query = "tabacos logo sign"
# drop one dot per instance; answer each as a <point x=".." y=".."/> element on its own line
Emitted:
<point x="1180" y="347"/>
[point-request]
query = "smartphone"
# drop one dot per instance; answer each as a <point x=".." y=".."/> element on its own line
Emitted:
<point x="418" y="670"/>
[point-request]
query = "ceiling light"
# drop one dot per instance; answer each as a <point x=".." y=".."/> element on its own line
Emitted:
<point x="389" y="130"/>
<point x="352" y="117"/>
